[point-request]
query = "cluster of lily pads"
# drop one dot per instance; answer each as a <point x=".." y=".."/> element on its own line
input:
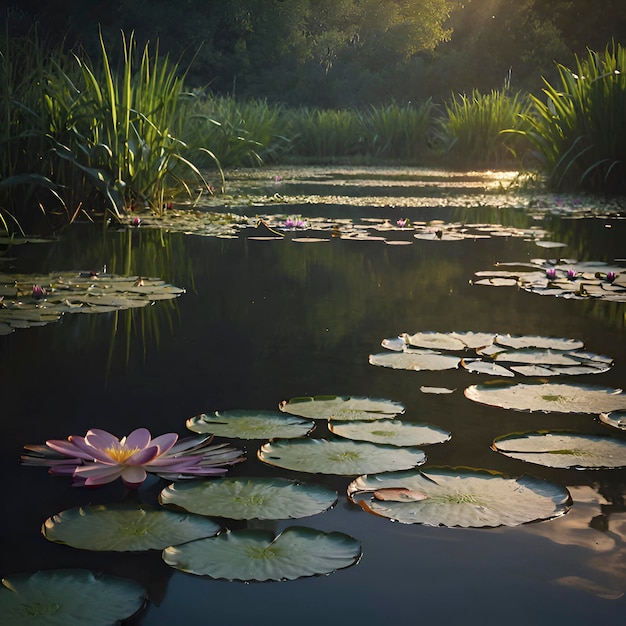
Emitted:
<point x="28" y="300"/>
<point x="508" y="355"/>
<point x="564" y="278"/>
<point x="490" y="353"/>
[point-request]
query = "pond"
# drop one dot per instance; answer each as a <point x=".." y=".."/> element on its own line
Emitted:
<point x="269" y="318"/>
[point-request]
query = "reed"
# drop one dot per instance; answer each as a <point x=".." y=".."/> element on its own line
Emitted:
<point x="120" y="130"/>
<point x="238" y="132"/>
<point x="470" y="132"/>
<point x="579" y="129"/>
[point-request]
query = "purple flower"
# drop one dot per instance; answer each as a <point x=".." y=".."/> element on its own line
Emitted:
<point x="278" y="179"/>
<point x="611" y="276"/>
<point x="289" y="223"/>
<point x="136" y="221"/>
<point x="572" y="274"/>
<point x="39" y="292"/>
<point x="99" y="457"/>
<point x="402" y="222"/>
<point x="300" y="224"/>
<point x="551" y="273"/>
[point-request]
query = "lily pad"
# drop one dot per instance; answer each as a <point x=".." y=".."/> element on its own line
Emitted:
<point x="342" y="458"/>
<point x="617" y="419"/>
<point x="68" y="596"/>
<point x="564" y="450"/>
<point x="417" y="360"/>
<point x="259" y="555"/>
<point x="35" y="300"/>
<point x="250" y="424"/>
<point x="250" y="498"/>
<point x="392" y="432"/>
<point x="125" y="528"/>
<point x="548" y="397"/>
<point x="342" y="408"/>
<point x="466" y="497"/>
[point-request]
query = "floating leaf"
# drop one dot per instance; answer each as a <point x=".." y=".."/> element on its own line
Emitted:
<point x="69" y="596"/>
<point x="258" y="555"/>
<point x="534" y="341"/>
<point x="478" y="366"/>
<point x="436" y="390"/>
<point x="125" y="528"/>
<point x="250" y="498"/>
<point x="466" y="498"/>
<point x="342" y="408"/>
<point x="392" y="432"/>
<point x="564" y="450"/>
<point x="548" y="397"/>
<point x="250" y="424"/>
<point x="617" y="419"/>
<point x="438" y="341"/>
<point x="415" y="360"/>
<point x="343" y="458"/>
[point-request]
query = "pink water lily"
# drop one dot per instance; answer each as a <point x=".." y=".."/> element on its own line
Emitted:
<point x="99" y="457"/>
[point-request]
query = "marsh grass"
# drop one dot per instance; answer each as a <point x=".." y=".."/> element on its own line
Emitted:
<point x="470" y="131"/>
<point x="237" y="132"/>
<point x="579" y="130"/>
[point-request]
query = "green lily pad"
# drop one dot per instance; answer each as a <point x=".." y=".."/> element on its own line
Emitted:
<point x="250" y="424"/>
<point x="68" y="596"/>
<point x="564" y="450"/>
<point x="417" y="360"/>
<point x="125" y="528"/>
<point x="466" y="497"/>
<point x="548" y="397"/>
<point x="250" y="498"/>
<point x="74" y="292"/>
<point x="343" y="458"/>
<point x="392" y="432"/>
<point x="617" y="419"/>
<point x="342" y="408"/>
<point x="259" y="555"/>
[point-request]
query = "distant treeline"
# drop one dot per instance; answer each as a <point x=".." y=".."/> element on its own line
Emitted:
<point x="340" y="53"/>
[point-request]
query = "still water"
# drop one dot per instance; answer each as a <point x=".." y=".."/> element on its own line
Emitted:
<point x="266" y="320"/>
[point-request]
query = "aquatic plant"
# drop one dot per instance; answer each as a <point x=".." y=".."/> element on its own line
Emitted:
<point x="470" y="130"/>
<point x="578" y="130"/>
<point x="99" y="457"/>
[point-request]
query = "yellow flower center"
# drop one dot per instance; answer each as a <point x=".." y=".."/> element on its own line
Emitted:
<point x="121" y="454"/>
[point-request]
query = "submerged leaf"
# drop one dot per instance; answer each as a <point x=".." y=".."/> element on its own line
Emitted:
<point x="338" y="457"/>
<point x="565" y="450"/>
<point x="125" y="528"/>
<point x="467" y="498"/>
<point x="250" y="498"/>
<point x="258" y="555"/>
<point x="68" y="596"/>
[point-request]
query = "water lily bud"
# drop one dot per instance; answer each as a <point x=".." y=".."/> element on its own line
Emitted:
<point x="38" y="292"/>
<point x="572" y="274"/>
<point x="611" y="276"/>
<point x="551" y="273"/>
<point x="136" y="221"/>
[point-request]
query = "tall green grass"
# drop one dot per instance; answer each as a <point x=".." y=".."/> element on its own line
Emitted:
<point x="579" y="130"/>
<point x="391" y="131"/>
<point x="237" y="132"/>
<point x="121" y="130"/>
<point x="470" y="132"/>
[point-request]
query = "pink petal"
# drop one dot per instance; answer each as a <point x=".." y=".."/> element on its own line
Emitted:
<point x="139" y="438"/>
<point x="89" y="452"/>
<point x="165" y="442"/>
<point x="97" y="469"/>
<point x="141" y="457"/>
<point x="101" y="439"/>
<point x="68" y="448"/>
<point x="188" y="443"/>
<point x="133" y="476"/>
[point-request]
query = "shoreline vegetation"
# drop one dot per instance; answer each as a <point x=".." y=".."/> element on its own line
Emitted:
<point x="95" y="139"/>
